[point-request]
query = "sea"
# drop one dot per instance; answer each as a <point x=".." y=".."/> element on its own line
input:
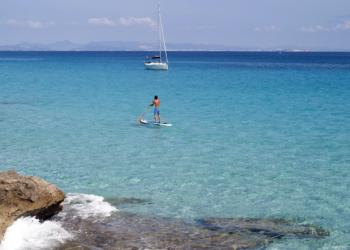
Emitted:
<point x="258" y="152"/>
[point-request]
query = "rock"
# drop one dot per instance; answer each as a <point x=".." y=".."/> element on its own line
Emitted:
<point x="125" y="201"/>
<point x="22" y="196"/>
<point x="276" y="228"/>
<point x="124" y="230"/>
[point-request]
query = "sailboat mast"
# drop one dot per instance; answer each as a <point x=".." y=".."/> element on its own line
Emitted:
<point x="161" y="26"/>
<point x="160" y="38"/>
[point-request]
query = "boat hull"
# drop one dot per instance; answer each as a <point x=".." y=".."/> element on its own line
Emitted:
<point x="156" y="66"/>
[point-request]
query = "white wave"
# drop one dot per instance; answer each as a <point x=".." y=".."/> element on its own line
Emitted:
<point x="29" y="234"/>
<point x="87" y="206"/>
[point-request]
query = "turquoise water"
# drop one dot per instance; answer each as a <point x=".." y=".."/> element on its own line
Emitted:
<point x="260" y="135"/>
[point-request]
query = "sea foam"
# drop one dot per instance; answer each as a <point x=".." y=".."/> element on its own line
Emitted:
<point x="86" y="206"/>
<point x="29" y="234"/>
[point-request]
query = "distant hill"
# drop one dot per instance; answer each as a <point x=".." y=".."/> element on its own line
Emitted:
<point x="137" y="46"/>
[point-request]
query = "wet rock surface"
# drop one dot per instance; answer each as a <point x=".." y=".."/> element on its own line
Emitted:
<point x="276" y="228"/>
<point x="129" y="231"/>
<point x="22" y="196"/>
<point x="127" y="201"/>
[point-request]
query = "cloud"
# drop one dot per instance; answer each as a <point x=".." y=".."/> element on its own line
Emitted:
<point x="101" y="21"/>
<point x="72" y="23"/>
<point x="206" y="27"/>
<point x="186" y="28"/>
<point x="307" y="29"/>
<point x="39" y="24"/>
<point x="340" y="23"/>
<point x="313" y="29"/>
<point x="122" y="21"/>
<point x="199" y="27"/>
<point x="134" y="21"/>
<point x="310" y="29"/>
<point x="339" y="19"/>
<point x="30" y="24"/>
<point x="342" y="26"/>
<point x="12" y="22"/>
<point x="35" y="24"/>
<point x="257" y="29"/>
<point x="272" y="29"/>
<point x="145" y="47"/>
<point x="267" y="29"/>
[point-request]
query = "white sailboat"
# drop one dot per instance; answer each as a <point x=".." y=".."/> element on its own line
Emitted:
<point x="156" y="61"/>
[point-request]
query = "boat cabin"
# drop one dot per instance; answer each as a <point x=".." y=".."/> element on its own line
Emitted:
<point x="153" y="59"/>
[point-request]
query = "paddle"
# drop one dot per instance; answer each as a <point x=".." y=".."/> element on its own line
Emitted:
<point x="143" y="114"/>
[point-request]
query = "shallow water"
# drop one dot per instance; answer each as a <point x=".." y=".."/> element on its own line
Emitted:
<point x="254" y="135"/>
<point x="89" y="222"/>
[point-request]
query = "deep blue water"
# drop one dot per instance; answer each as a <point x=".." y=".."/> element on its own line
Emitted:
<point x="255" y="134"/>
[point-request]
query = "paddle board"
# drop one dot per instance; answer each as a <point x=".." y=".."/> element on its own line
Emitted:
<point x="153" y="123"/>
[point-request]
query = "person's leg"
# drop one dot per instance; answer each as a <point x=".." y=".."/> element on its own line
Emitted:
<point x="159" y="118"/>
<point x="155" y="117"/>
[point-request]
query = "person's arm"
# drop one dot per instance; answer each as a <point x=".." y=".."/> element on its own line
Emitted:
<point x="151" y="103"/>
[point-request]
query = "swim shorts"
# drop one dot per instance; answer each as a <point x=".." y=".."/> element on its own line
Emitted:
<point x="156" y="111"/>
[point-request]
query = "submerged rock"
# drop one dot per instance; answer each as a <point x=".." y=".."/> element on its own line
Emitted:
<point x="123" y="201"/>
<point x="123" y="230"/>
<point x="130" y="231"/>
<point x="22" y="196"/>
<point x="11" y="103"/>
<point x="276" y="228"/>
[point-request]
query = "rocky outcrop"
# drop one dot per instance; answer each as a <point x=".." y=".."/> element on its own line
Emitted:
<point x="22" y="195"/>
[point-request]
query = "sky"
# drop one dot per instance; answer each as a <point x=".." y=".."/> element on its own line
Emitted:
<point x="257" y="23"/>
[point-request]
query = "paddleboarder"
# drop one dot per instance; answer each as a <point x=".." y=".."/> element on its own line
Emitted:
<point x="156" y="110"/>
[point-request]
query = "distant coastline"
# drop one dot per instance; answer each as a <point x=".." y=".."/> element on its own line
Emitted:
<point x="138" y="46"/>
